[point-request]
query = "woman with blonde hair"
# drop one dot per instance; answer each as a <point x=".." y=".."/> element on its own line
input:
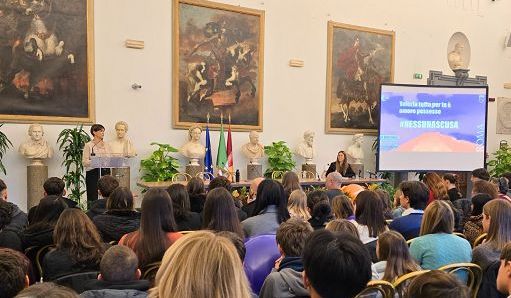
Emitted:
<point x="217" y="270"/>
<point x="297" y="205"/>
<point x="394" y="256"/>
<point x="437" y="245"/>
<point x="342" y="207"/>
<point x="497" y="223"/>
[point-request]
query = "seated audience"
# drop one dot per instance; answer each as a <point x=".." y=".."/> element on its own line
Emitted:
<point x="397" y="210"/>
<point x="502" y="185"/>
<point x="9" y="236"/>
<point x="480" y="174"/>
<point x="220" y="214"/>
<point x="158" y="229"/>
<point x="237" y="241"/>
<point x="436" y="186"/>
<point x="119" y="275"/>
<point x="3" y="191"/>
<point x="270" y="210"/>
<point x="47" y="289"/>
<point x="385" y="200"/>
<point x="394" y="256"/>
<point x="486" y="187"/>
<point x="342" y="225"/>
<point x="414" y="195"/>
<point x="221" y="181"/>
<point x="369" y="218"/>
<point x="321" y="215"/>
<point x="437" y="284"/>
<point x="474" y="224"/>
<point x="333" y="185"/>
<point x="497" y="223"/>
<point x="45" y="217"/>
<point x="437" y="246"/>
<point x="335" y="265"/>
<point x="78" y="246"/>
<point x="197" y="194"/>
<point x="186" y="220"/>
<point x="342" y="207"/>
<point x="106" y="184"/>
<point x="252" y="195"/>
<point x="504" y="275"/>
<point x="217" y="270"/>
<point x="53" y="186"/>
<point x="341" y="166"/>
<point x="297" y="205"/>
<point x="18" y="218"/>
<point x="315" y="197"/>
<point x="13" y="272"/>
<point x="120" y="217"/>
<point x="290" y="182"/>
<point x="450" y="182"/>
<point x="286" y="280"/>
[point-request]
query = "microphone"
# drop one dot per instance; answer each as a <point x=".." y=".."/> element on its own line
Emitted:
<point x="371" y="174"/>
<point x="92" y="149"/>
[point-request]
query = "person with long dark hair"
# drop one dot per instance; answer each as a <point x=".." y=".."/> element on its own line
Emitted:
<point x="369" y="218"/>
<point x="196" y="193"/>
<point x="290" y="182"/>
<point x="158" y="229"/>
<point x="270" y="209"/>
<point x="341" y="165"/>
<point x="220" y="212"/>
<point x="186" y="220"/>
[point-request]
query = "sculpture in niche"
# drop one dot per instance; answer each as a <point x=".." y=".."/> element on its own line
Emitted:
<point x="193" y="149"/>
<point x="37" y="147"/>
<point x="122" y="145"/>
<point x="355" y="151"/>
<point x="253" y="150"/>
<point x="455" y="57"/>
<point x="306" y="148"/>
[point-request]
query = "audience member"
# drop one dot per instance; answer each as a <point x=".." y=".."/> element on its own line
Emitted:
<point x="315" y="197"/>
<point x="13" y="272"/>
<point x="414" y="195"/>
<point x="507" y="175"/>
<point x="450" y="182"/>
<point x="497" y="223"/>
<point x="47" y="289"/>
<point x="502" y="185"/>
<point x="220" y="181"/>
<point x="297" y="205"/>
<point x="369" y="218"/>
<point x="120" y="217"/>
<point x="18" y="218"/>
<point x="158" y="229"/>
<point x="252" y="195"/>
<point x="437" y="246"/>
<point x="217" y="270"/>
<point x="474" y="224"/>
<point x="220" y="213"/>
<point x="237" y="241"/>
<point x="479" y="174"/>
<point x="78" y="246"/>
<point x="342" y="225"/>
<point x="119" y="276"/>
<point x="53" y="186"/>
<point x="437" y="284"/>
<point x="9" y="236"/>
<point x="290" y="182"/>
<point x="286" y="280"/>
<point x="186" y="220"/>
<point x="437" y="188"/>
<point x="335" y="265"/>
<point x="398" y="210"/>
<point x="504" y="275"/>
<point x="271" y="210"/>
<point x="3" y="191"/>
<point x="342" y="207"/>
<point x="333" y="185"/>
<point x="106" y="184"/>
<point x="385" y="200"/>
<point x="482" y="186"/>
<point x="394" y="256"/>
<point x="197" y="194"/>
<point x="321" y="215"/>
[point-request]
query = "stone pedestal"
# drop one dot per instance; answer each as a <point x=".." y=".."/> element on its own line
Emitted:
<point x="309" y="167"/>
<point x="358" y="168"/>
<point x="254" y="171"/>
<point x="193" y="170"/>
<point x="123" y="175"/>
<point x="36" y="175"/>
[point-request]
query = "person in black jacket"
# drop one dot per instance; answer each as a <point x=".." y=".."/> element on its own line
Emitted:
<point x="120" y="217"/>
<point x="9" y="237"/>
<point x="53" y="186"/>
<point x="196" y="193"/>
<point x="185" y="219"/>
<point x="106" y="184"/>
<point x="341" y="165"/>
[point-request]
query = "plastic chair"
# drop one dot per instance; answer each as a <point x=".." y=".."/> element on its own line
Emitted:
<point x="260" y="258"/>
<point x="149" y="271"/>
<point x="76" y="281"/>
<point x="475" y="274"/>
<point x="385" y="288"/>
<point x="404" y="280"/>
<point x="480" y="239"/>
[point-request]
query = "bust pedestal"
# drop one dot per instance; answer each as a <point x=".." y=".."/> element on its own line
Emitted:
<point x="37" y="173"/>
<point x="254" y="171"/>
<point x="193" y="170"/>
<point x="123" y="175"/>
<point x="358" y="168"/>
<point x="310" y="167"/>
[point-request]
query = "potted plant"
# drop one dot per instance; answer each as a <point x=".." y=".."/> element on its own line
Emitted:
<point x="280" y="158"/>
<point x="160" y="165"/>
<point x="71" y="142"/>
<point x="501" y="161"/>
<point x="5" y="143"/>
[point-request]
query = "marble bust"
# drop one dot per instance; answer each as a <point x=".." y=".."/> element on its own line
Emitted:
<point x="253" y="150"/>
<point x="306" y="148"/>
<point x="355" y="151"/>
<point x="455" y="57"/>
<point x="37" y="147"/>
<point x="122" y="145"/>
<point x="193" y="149"/>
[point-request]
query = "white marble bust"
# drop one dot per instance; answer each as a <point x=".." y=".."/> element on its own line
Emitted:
<point x="455" y="57"/>
<point x="253" y="150"/>
<point x="122" y="145"/>
<point x="306" y="148"/>
<point x="37" y="147"/>
<point x="355" y="152"/>
<point x="193" y="149"/>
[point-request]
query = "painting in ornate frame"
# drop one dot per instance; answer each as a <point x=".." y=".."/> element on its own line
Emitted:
<point x="217" y="64"/>
<point x="47" y="61"/>
<point x="359" y="59"/>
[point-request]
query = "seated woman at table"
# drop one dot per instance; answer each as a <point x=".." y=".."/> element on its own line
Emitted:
<point x="341" y="165"/>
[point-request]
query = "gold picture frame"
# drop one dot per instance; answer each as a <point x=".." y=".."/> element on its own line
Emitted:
<point x="218" y="63"/>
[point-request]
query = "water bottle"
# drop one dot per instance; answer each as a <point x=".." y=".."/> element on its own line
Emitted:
<point x="237" y="175"/>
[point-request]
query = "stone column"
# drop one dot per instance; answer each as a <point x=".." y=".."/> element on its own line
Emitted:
<point x="36" y="176"/>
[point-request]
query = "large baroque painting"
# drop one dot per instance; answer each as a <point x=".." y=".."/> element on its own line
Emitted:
<point x="46" y="61"/>
<point x="359" y="60"/>
<point x="217" y="64"/>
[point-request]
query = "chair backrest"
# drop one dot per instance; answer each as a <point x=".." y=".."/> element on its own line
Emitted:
<point x="409" y="241"/>
<point x="181" y="177"/>
<point x="460" y="235"/>
<point x="480" y="239"/>
<point x="475" y="274"/>
<point x="205" y="176"/>
<point x="385" y="288"/>
<point x="39" y="258"/>
<point x="76" y="281"/>
<point x="149" y="270"/>
<point x="404" y="280"/>
<point x="260" y="258"/>
<point x="277" y="175"/>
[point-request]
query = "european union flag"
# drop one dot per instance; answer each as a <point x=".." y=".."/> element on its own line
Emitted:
<point x="208" y="167"/>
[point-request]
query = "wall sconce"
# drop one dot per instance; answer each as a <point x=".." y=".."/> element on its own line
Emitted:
<point x="136" y="86"/>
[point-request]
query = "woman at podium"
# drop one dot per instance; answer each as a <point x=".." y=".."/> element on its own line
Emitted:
<point x="341" y="165"/>
<point x="96" y="147"/>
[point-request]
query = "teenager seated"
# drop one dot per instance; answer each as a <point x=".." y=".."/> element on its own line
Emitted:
<point x="223" y="182"/>
<point x="106" y="184"/>
<point x="53" y="186"/>
<point x="473" y="226"/>
<point x="197" y="194"/>
<point x="220" y="213"/>
<point x="47" y="289"/>
<point x="186" y="220"/>
<point x="504" y="275"/>
<point x="437" y="284"/>
<point x="18" y="218"/>
<point x="413" y="198"/>
<point x="321" y="215"/>
<point x="13" y="272"/>
<point x="9" y="236"/>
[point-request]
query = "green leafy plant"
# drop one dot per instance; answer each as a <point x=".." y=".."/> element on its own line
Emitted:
<point x="71" y="142"/>
<point x="4" y="145"/>
<point x="160" y="166"/>
<point x="280" y="158"/>
<point x="501" y="161"/>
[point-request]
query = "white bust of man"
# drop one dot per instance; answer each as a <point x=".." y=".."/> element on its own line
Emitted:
<point x="455" y="57"/>
<point x="253" y="150"/>
<point x="37" y="147"/>
<point x="122" y="145"/>
<point x="193" y="149"/>
<point x="355" y="151"/>
<point x="306" y="148"/>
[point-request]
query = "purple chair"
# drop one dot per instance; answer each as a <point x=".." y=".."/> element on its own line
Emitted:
<point x="262" y="252"/>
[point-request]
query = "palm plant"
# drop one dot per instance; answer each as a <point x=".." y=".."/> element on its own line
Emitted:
<point x="5" y="143"/>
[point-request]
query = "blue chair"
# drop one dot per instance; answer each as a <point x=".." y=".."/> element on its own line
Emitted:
<point x="262" y="252"/>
